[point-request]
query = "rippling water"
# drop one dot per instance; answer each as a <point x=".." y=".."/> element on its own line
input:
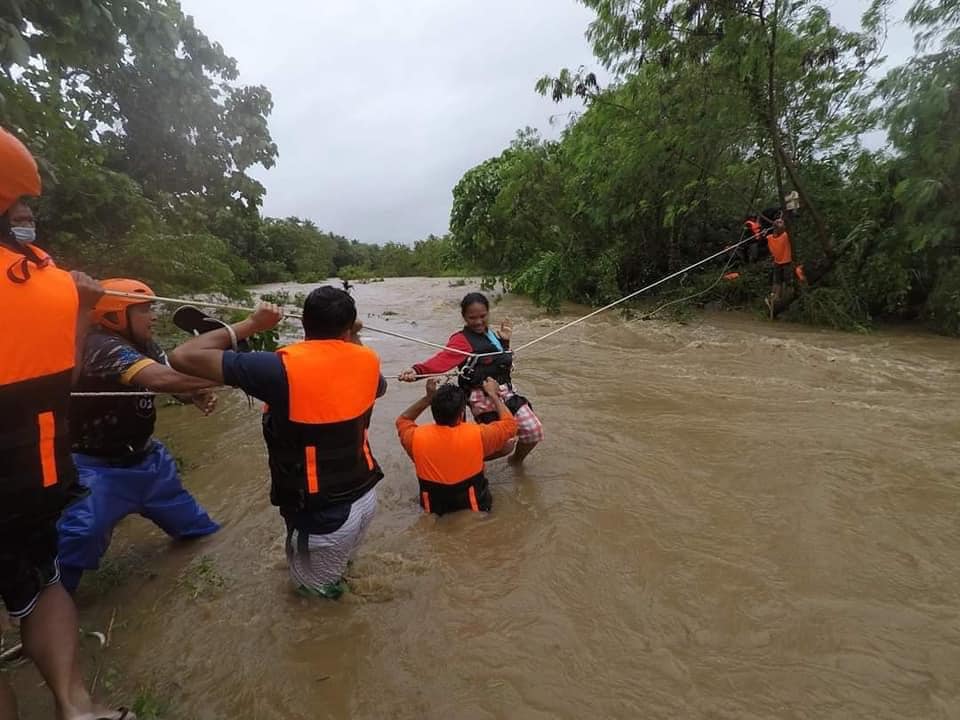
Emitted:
<point x="728" y="519"/>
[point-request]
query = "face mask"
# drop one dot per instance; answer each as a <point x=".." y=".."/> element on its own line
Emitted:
<point x="24" y="235"/>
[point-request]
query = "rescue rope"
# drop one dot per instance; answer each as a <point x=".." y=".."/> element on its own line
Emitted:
<point x="634" y="294"/>
<point x="421" y="341"/>
<point x="286" y="314"/>
<point x="151" y="393"/>
<point x="723" y="272"/>
<point x="115" y="393"/>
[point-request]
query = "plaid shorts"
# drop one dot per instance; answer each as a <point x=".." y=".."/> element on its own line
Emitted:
<point x="529" y="427"/>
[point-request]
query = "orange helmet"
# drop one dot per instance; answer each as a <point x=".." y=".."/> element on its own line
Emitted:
<point x="18" y="171"/>
<point x="111" y="311"/>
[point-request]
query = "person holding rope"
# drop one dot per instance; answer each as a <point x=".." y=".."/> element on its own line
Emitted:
<point x="320" y="395"/>
<point x="778" y="241"/>
<point x="43" y="313"/>
<point x="476" y="337"/>
<point x="124" y="469"/>
<point x="448" y="453"/>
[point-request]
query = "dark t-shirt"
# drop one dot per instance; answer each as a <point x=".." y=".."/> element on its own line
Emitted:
<point x="262" y="375"/>
<point x="113" y="426"/>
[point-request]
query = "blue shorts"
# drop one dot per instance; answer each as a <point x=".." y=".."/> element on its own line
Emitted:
<point x="151" y="487"/>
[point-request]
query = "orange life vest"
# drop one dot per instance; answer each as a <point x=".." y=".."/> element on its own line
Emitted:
<point x="319" y="453"/>
<point x="753" y="227"/>
<point x="38" y="315"/>
<point x="449" y="464"/>
<point x="780" y="248"/>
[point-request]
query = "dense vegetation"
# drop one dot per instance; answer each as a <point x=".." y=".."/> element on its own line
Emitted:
<point x="145" y="139"/>
<point x="717" y="107"/>
<point x="714" y="107"/>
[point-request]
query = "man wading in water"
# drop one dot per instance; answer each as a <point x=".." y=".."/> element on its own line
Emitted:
<point x="477" y="337"/>
<point x="448" y="453"/>
<point x="320" y="394"/>
<point x="124" y="469"/>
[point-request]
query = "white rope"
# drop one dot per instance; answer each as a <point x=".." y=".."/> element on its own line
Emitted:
<point x="410" y="338"/>
<point x="631" y="295"/>
<point x="149" y="393"/>
<point x="687" y="298"/>
<point x="115" y="393"/>
<point x="287" y="314"/>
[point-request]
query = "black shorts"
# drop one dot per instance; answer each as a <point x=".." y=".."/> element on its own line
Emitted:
<point x="28" y="564"/>
<point x="782" y="274"/>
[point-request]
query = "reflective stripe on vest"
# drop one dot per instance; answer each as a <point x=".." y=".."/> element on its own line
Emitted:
<point x="320" y="453"/>
<point x="449" y="465"/>
<point x="38" y="314"/>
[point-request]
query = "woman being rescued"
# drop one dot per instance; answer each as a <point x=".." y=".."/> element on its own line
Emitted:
<point x="477" y="337"/>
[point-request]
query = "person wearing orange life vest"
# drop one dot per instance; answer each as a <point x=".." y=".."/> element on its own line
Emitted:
<point x="778" y="241"/>
<point x="492" y="358"/>
<point x="319" y="396"/>
<point x="752" y="230"/>
<point x="123" y="467"/>
<point x="448" y="453"/>
<point x="43" y="313"/>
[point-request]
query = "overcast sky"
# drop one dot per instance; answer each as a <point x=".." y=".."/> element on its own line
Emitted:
<point x="380" y="106"/>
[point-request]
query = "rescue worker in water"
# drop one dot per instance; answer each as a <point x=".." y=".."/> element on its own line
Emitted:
<point x="320" y="395"/>
<point x="123" y="467"/>
<point x="491" y="357"/>
<point x="448" y="453"/>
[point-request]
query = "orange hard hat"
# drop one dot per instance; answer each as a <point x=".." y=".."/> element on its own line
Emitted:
<point x="18" y="171"/>
<point x="111" y="311"/>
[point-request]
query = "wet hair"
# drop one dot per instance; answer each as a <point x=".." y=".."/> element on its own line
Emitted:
<point x="448" y="405"/>
<point x="472" y="298"/>
<point x="328" y="313"/>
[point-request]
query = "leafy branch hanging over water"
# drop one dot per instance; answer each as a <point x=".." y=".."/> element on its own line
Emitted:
<point x="718" y="108"/>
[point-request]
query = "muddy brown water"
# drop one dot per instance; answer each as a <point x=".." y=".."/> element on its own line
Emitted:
<point x="728" y="519"/>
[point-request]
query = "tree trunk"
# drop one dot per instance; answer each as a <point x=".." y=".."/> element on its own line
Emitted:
<point x="773" y="127"/>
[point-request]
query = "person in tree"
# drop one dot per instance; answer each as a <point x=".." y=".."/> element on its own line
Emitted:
<point x="778" y="242"/>
<point x="320" y="394"/>
<point x="37" y="476"/>
<point x="752" y="229"/>
<point x="123" y="467"/>
<point x="496" y="362"/>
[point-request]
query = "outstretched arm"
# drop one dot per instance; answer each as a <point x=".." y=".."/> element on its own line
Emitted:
<point x="88" y="292"/>
<point x="202" y="355"/>
<point x="441" y="362"/>
<point x="407" y="422"/>
<point x="157" y="376"/>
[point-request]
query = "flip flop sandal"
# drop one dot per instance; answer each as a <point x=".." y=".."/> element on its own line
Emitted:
<point x="196" y="322"/>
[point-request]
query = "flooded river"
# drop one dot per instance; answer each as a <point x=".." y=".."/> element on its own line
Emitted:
<point x="728" y="519"/>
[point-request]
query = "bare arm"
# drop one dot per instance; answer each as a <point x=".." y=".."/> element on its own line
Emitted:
<point x="492" y="388"/>
<point x="202" y="356"/>
<point x="88" y="292"/>
<point x="159" y="377"/>
<point x="415" y="410"/>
